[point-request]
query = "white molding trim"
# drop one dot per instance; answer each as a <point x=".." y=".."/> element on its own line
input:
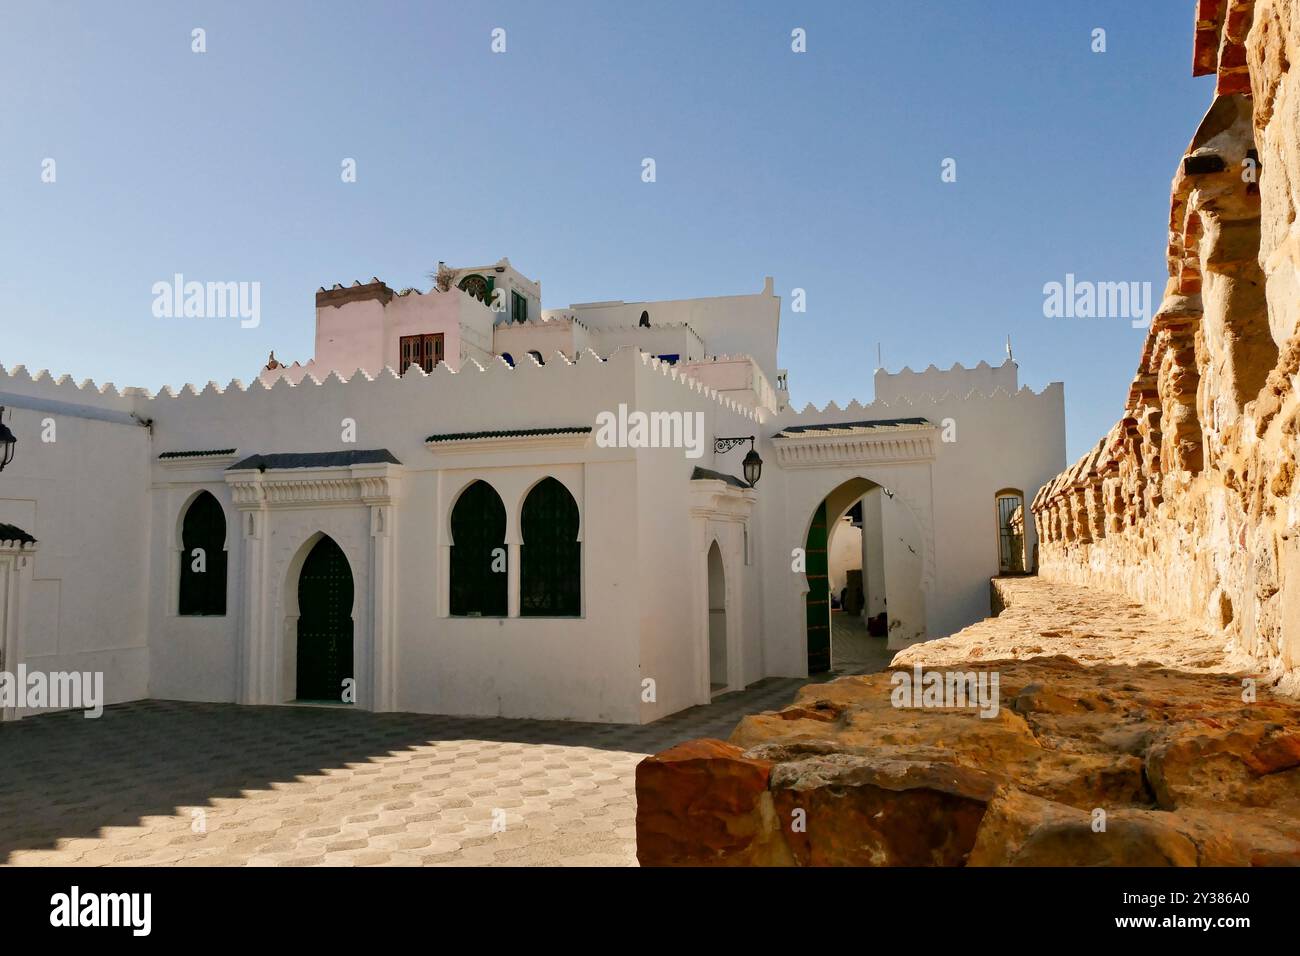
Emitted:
<point x="198" y="461"/>
<point x="16" y="571"/>
<point x="342" y="485"/>
<point x="862" y="448"/>
<point x="719" y="511"/>
<point x="721" y="500"/>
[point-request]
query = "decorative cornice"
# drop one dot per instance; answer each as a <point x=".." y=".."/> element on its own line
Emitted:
<point x="915" y="444"/>
<point x="217" y="458"/>
<point x="719" y="499"/>
<point x="472" y="442"/>
<point x="14" y="540"/>
<point x="341" y="486"/>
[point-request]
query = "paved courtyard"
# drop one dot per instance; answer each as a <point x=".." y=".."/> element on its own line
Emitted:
<point x="169" y="783"/>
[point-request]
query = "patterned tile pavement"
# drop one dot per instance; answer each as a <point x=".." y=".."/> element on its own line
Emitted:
<point x="184" y="784"/>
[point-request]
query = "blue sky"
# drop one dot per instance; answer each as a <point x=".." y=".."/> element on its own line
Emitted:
<point x="820" y="169"/>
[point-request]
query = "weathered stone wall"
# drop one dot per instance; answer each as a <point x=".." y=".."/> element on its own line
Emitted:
<point x="1190" y="502"/>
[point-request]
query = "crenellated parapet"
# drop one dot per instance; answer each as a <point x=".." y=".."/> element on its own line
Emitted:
<point x="957" y="379"/>
<point x="441" y="383"/>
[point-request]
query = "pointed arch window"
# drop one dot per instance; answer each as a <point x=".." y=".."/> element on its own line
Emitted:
<point x="550" y="557"/>
<point x="479" y="570"/>
<point x="203" y="558"/>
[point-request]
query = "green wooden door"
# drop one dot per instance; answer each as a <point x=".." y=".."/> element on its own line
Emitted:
<point x="324" y="623"/>
<point x="819" y="591"/>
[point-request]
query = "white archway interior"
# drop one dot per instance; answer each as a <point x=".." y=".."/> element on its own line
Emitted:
<point x="876" y="563"/>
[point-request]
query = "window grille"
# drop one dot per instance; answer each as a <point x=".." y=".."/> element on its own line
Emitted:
<point x="551" y="555"/>
<point x="203" y="558"/>
<point x="479" y="575"/>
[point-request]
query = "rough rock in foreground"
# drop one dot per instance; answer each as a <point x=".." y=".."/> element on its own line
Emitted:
<point x="1103" y="765"/>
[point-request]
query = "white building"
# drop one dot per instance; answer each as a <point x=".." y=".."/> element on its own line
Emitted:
<point x="429" y="515"/>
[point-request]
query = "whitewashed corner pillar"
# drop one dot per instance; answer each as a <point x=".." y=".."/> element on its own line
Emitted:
<point x="383" y="608"/>
<point x="378" y="488"/>
<point x="442" y="536"/>
<point x="260" y="667"/>
<point x="734" y="601"/>
<point x="257" y="669"/>
<point x="700" y="602"/>
<point x="719" y="511"/>
<point x="16" y="560"/>
<point x="444" y="579"/>
<point x="512" y="578"/>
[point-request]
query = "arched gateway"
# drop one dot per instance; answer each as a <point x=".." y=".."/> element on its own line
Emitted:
<point x="875" y="592"/>
<point x="880" y="472"/>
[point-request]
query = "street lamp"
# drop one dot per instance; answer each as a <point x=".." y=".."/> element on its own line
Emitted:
<point x="7" y="442"/>
<point x="752" y="465"/>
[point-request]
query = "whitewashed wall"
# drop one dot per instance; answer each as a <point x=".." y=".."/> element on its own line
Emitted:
<point x="674" y="531"/>
<point x="193" y="658"/>
<point x="844" y="553"/>
<point x="728" y="324"/>
<point x="84" y="497"/>
<point x="873" y="555"/>
<point x="1000" y="440"/>
<point x="108" y="514"/>
<point x="635" y="525"/>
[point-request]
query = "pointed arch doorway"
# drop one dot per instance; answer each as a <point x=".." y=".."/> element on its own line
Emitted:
<point x="717" y="621"/>
<point x="325" y="592"/>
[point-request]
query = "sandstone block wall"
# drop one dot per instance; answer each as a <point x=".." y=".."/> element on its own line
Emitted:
<point x="1190" y="502"/>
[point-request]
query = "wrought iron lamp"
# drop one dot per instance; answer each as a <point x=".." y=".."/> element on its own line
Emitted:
<point x="7" y="442"/>
<point x="752" y="465"/>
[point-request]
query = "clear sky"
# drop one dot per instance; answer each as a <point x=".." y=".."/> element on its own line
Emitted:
<point x="821" y="169"/>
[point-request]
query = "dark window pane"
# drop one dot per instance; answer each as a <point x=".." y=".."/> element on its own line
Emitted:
<point x="551" y="555"/>
<point x="479" y="580"/>
<point x="203" y="576"/>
